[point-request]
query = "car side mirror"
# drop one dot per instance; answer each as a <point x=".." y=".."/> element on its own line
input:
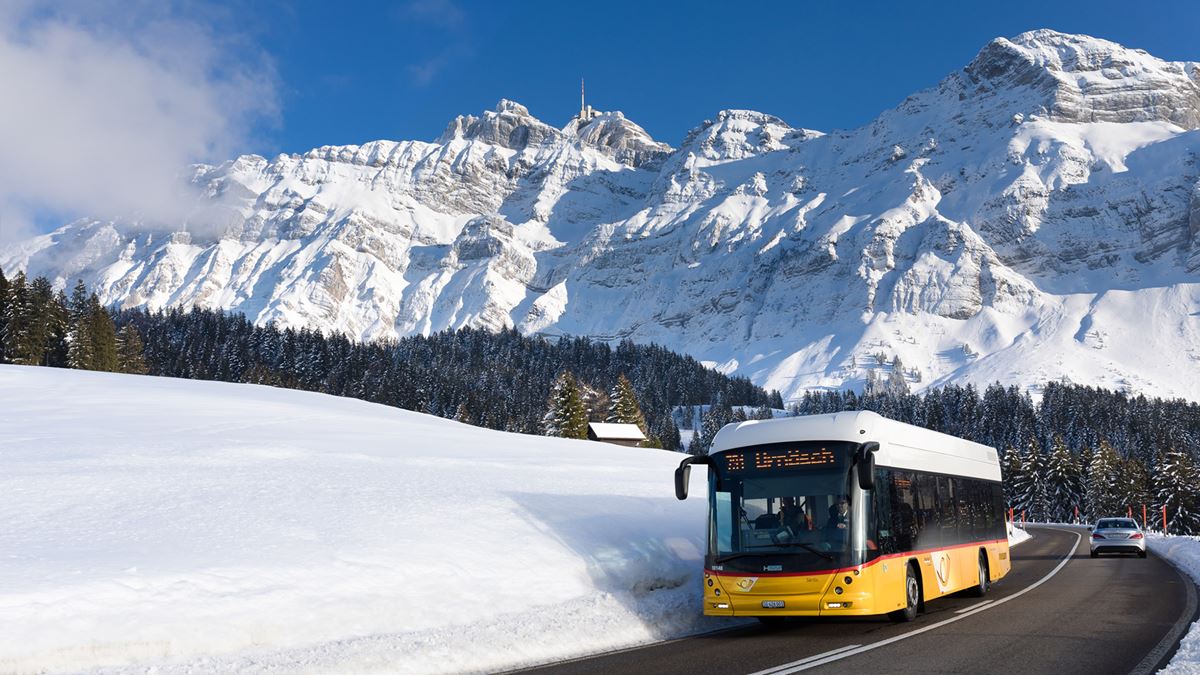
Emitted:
<point x="866" y="465"/>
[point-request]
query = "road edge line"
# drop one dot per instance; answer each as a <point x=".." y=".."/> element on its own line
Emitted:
<point x="1162" y="653"/>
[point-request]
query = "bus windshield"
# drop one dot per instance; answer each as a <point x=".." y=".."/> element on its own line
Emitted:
<point x="791" y="504"/>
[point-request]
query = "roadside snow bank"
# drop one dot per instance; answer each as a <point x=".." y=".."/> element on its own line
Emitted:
<point x="1017" y="536"/>
<point x="183" y="525"/>
<point x="1184" y="553"/>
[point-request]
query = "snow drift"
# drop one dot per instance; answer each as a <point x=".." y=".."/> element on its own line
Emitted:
<point x="176" y="524"/>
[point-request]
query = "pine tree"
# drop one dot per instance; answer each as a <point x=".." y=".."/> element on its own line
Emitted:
<point x="1135" y="478"/>
<point x="565" y="416"/>
<point x="896" y="384"/>
<point x="718" y="415"/>
<point x="104" y="337"/>
<point x="1012" y="469"/>
<point x="4" y="293"/>
<point x="664" y="432"/>
<point x="1103" y="495"/>
<point x="130" y="351"/>
<point x="623" y="405"/>
<point x="58" y="329"/>
<point x="81" y="350"/>
<point x="1062" y="483"/>
<point x="20" y="334"/>
<point x="1175" y="487"/>
<point x="1032" y="497"/>
<point x="595" y="402"/>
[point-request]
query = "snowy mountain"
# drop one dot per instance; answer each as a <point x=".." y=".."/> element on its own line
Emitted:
<point x="1031" y="217"/>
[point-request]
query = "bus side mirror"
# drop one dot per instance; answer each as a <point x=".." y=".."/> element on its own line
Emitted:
<point x="866" y="465"/>
<point x="684" y="474"/>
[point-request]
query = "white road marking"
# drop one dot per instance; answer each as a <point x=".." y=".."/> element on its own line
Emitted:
<point x="977" y="605"/>
<point x="780" y="670"/>
<point x="838" y="654"/>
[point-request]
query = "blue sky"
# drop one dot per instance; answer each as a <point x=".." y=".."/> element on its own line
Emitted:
<point x="143" y="88"/>
<point x="403" y="70"/>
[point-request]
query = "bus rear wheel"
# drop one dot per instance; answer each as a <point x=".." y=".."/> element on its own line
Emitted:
<point x="981" y="588"/>
<point x="912" y="598"/>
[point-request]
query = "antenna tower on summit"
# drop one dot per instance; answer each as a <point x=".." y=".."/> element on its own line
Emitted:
<point x="585" y="111"/>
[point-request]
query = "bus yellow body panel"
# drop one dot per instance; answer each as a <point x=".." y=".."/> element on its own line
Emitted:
<point x="874" y="588"/>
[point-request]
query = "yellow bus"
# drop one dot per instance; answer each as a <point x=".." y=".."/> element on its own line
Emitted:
<point x="849" y="514"/>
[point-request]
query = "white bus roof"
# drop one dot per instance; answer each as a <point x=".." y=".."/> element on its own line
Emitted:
<point x="901" y="446"/>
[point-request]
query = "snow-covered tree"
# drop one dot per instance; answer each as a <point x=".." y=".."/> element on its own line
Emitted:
<point x="595" y="401"/>
<point x="1176" y="488"/>
<point x="1031" y="493"/>
<point x="1103" y="494"/>
<point x="623" y="405"/>
<point x="130" y="352"/>
<point x="1062" y="483"/>
<point x="20" y="340"/>
<point x="1012" y="466"/>
<point x="718" y="415"/>
<point x="1135" y="481"/>
<point x="896" y="384"/>
<point x="565" y="416"/>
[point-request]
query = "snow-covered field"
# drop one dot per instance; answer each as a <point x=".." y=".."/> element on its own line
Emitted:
<point x="182" y="524"/>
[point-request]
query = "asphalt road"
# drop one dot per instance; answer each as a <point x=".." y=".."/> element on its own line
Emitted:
<point x="1057" y="612"/>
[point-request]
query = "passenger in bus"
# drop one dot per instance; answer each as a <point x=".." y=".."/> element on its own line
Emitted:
<point x="792" y="515"/>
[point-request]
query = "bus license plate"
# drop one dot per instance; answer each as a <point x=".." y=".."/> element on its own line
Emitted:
<point x="773" y="604"/>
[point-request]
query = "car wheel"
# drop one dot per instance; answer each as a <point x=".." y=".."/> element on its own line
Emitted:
<point x="1095" y="555"/>
<point x="912" y="598"/>
<point x="1141" y="554"/>
<point x="981" y="589"/>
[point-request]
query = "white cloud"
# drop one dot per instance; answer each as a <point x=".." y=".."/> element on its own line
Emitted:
<point x="103" y="107"/>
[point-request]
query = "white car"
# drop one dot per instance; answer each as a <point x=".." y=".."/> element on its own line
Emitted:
<point x="1118" y="535"/>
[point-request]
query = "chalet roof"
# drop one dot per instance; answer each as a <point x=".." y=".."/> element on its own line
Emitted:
<point x="616" y="432"/>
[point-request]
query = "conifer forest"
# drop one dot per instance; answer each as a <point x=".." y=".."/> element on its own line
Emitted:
<point x="1076" y="454"/>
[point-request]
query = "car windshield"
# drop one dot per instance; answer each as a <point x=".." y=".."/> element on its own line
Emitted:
<point x="1116" y="524"/>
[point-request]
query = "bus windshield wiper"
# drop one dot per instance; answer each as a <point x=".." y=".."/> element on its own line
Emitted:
<point x="732" y="556"/>
<point x="807" y="547"/>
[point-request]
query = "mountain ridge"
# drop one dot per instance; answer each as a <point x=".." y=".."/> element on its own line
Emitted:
<point x="1014" y="222"/>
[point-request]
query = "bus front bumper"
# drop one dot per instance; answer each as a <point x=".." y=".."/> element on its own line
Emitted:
<point x="820" y="594"/>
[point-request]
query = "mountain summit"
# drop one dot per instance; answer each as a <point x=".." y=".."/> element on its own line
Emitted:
<point x="1031" y="217"/>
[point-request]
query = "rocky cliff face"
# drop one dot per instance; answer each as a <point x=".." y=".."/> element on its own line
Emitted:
<point x="1033" y="216"/>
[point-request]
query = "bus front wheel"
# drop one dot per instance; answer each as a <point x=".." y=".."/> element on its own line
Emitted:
<point x="981" y="588"/>
<point x="912" y="598"/>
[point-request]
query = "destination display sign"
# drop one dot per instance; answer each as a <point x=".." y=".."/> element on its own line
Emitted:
<point x="780" y="457"/>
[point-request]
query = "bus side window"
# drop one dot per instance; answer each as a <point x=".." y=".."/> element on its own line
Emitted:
<point x="928" y="523"/>
<point x="998" y="527"/>
<point x="947" y="508"/>
<point x="904" y="514"/>
<point x="983" y="511"/>
<point x="885" y="535"/>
